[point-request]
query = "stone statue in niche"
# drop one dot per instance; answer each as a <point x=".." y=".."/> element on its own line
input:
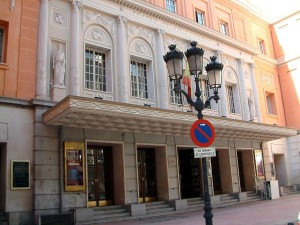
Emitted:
<point x="251" y="106"/>
<point x="58" y="64"/>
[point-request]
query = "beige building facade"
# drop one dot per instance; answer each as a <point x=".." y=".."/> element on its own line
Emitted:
<point x="106" y="127"/>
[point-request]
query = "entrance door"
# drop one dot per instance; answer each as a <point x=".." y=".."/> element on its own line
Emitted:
<point x="100" y="175"/>
<point x="216" y="174"/>
<point x="190" y="174"/>
<point x="246" y="169"/>
<point x="147" y="175"/>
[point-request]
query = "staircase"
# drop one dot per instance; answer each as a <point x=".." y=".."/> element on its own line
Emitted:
<point x="227" y="200"/>
<point x="3" y="218"/>
<point x="158" y="209"/>
<point x="288" y="190"/>
<point x="107" y="214"/>
<point x="195" y="204"/>
<point x="253" y="196"/>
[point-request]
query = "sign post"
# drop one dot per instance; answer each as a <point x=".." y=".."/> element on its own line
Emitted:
<point x="203" y="135"/>
<point x="204" y="152"/>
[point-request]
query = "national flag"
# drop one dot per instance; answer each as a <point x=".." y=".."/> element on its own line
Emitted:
<point x="187" y="79"/>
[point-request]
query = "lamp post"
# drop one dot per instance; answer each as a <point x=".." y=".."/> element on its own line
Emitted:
<point x="194" y="55"/>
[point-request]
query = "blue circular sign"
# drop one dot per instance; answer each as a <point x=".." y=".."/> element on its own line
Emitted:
<point x="202" y="133"/>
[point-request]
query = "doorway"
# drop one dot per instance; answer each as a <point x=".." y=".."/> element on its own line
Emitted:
<point x="216" y="176"/>
<point x="246" y="170"/>
<point x="100" y="175"/>
<point x="2" y="176"/>
<point x="190" y="174"/>
<point x="147" y="175"/>
<point x="280" y="169"/>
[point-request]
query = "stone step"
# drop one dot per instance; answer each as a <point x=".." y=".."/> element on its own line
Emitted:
<point x="110" y="216"/>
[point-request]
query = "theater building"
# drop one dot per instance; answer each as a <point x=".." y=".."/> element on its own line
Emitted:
<point x="104" y="126"/>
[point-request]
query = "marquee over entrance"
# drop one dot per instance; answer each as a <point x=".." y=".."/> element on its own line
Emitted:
<point x="81" y="112"/>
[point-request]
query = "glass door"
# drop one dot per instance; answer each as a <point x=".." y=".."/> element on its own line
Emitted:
<point x="147" y="175"/>
<point x="100" y="175"/>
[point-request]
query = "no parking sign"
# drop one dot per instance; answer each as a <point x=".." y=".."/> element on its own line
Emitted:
<point x="202" y="133"/>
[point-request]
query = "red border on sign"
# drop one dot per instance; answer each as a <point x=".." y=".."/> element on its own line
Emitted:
<point x="195" y="126"/>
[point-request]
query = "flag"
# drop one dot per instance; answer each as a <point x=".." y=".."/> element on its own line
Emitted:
<point x="187" y="79"/>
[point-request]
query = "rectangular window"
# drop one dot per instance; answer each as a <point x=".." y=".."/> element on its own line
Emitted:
<point x="230" y="99"/>
<point x="200" y="17"/>
<point x="95" y="78"/>
<point x="1" y="44"/>
<point x="224" y="28"/>
<point x="204" y="89"/>
<point x="271" y="104"/>
<point x="261" y="46"/>
<point x="171" y="5"/>
<point x="176" y="98"/>
<point x="139" y="84"/>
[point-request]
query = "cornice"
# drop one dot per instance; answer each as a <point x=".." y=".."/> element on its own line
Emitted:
<point x="182" y="22"/>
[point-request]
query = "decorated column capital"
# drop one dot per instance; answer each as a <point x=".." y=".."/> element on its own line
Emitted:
<point x="160" y="32"/>
<point x="122" y="19"/>
<point x="77" y="4"/>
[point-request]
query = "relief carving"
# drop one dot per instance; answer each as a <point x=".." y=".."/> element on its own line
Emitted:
<point x="59" y="18"/>
<point x="96" y="34"/>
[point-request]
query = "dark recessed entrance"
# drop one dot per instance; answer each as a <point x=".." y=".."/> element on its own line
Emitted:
<point x="190" y="174"/>
<point x="100" y="175"/>
<point x="147" y="174"/>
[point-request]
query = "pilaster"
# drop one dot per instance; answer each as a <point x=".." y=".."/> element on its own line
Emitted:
<point x="121" y="57"/>
<point x="41" y="73"/>
<point x="255" y="93"/>
<point x="243" y="89"/>
<point x="162" y="76"/>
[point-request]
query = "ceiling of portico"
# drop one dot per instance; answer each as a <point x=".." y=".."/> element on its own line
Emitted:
<point x="91" y="113"/>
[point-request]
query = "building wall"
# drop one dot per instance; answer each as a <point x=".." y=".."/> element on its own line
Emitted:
<point x="285" y="34"/>
<point x="17" y="72"/>
<point x="16" y="144"/>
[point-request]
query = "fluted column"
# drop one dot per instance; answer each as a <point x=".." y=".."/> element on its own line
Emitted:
<point x="222" y="104"/>
<point x="255" y="93"/>
<point x="41" y="74"/>
<point x="121" y="57"/>
<point x="162" y="80"/>
<point x="74" y="50"/>
<point x="245" y="105"/>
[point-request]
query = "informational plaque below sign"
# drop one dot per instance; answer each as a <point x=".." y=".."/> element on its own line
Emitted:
<point x="20" y="174"/>
<point x="204" y="152"/>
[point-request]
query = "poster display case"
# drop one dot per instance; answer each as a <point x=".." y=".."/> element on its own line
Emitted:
<point x="74" y="166"/>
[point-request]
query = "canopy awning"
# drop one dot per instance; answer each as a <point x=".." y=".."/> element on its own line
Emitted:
<point x="81" y="112"/>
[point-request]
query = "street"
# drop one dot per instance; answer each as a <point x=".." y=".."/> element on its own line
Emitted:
<point x="266" y="212"/>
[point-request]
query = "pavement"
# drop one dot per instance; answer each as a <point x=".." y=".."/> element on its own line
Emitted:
<point x="265" y="212"/>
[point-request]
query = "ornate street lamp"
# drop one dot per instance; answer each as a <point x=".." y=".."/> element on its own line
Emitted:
<point x="194" y="55"/>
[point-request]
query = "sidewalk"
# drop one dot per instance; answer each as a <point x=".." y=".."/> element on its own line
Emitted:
<point x="265" y="212"/>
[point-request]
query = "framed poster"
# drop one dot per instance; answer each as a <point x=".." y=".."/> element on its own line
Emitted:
<point x="74" y="166"/>
<point x="259" y="163"/>
<point x="20" y="174"/>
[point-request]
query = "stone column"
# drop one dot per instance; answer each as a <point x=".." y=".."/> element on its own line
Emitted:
<point x="74" y="50"/>
<point x="255" y="93"/>
<point x="222" y="104"/>
<point x="123" y="79"/>
<point x="41" y="74"/>
<point x="245" y="105"/>
<point x="162" y="78"/>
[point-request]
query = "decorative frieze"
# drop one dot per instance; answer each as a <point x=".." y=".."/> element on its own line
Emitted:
<point x="268" y="79"/>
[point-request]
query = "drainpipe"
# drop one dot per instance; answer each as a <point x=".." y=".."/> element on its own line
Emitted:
<point x="61" y="169"/>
